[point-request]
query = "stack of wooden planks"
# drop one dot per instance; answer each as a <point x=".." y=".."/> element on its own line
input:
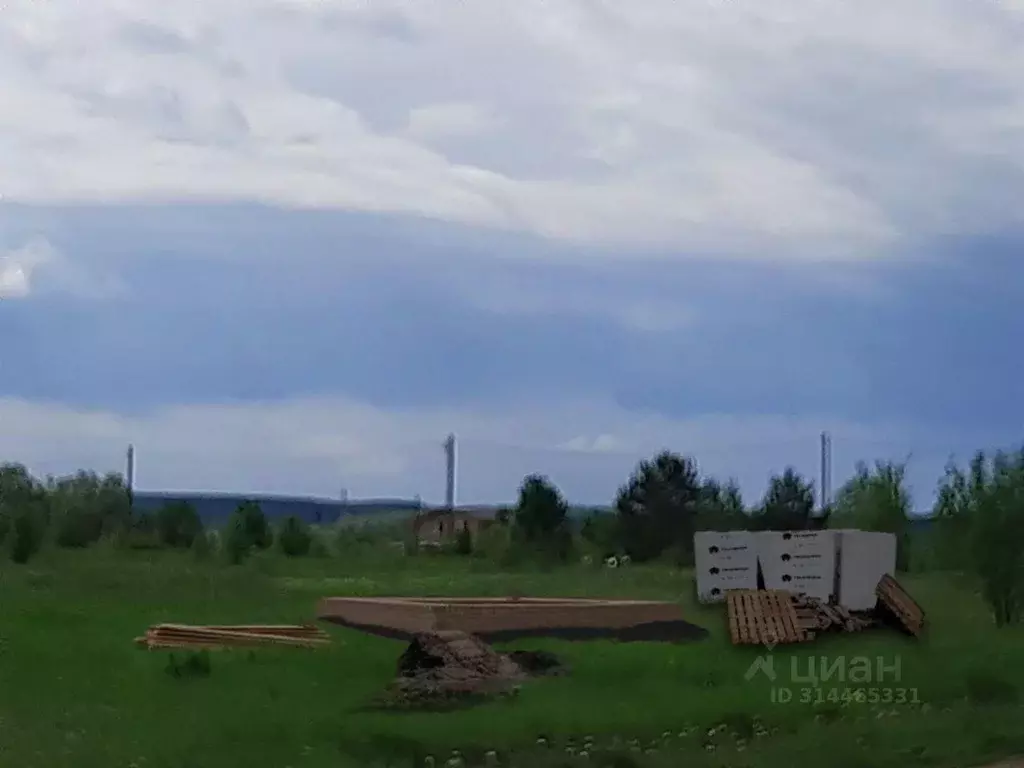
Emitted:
<point x="763" y="617"/>
<point x="897" y="602"/>
<point x="774" y="617"/>
<point x="816" y="615"/>
<point x="233" y="635"/>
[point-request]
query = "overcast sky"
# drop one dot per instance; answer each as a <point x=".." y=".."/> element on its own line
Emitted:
<point x="287" y="245"/>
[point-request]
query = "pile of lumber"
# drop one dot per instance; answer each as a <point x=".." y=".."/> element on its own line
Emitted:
<point x="763" y="617"/>
<point x="898" y="603"/>
<point x="772" y="617"/>
<point x="816" y="615"/>
<point x="233" y="635"/>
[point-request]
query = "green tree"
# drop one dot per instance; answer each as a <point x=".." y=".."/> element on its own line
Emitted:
<point x="294" y="538"/>
<point x="26" y="534"/>
<point x="541" y="517"/>
<point x="178" y="524"/>
<point x="721" y="507"/>
<point x="237" y="539"/>
<point x="18" y="492"/>
<point x="997" y="540"/>
<point x="84" y="507"/>
<point x="983" y="508"/>
<point x="658" y="506"/>
<point x="953" y="513"/>
<point x="788" y="504"/>
<point x="255" y="525"/>
<point x="877" y="500"/>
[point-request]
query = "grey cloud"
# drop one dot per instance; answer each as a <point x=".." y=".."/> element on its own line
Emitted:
<point x="152" y="38"/>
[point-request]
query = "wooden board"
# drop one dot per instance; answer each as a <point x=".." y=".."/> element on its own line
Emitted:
<point x="764" y="617"/>
<point x="188" y="636"/>
<point x="901" y="605"/>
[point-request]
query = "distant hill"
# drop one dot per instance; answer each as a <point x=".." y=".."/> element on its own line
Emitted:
<point x="217" y="507"/>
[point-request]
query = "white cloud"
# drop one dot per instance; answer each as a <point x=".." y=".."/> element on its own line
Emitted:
<point x="318" y="446"/>
<point x="18" y="266"/>
<point x="777" y="129"/>
<point x="14" y="280"/>
<point x="37" y="265"/>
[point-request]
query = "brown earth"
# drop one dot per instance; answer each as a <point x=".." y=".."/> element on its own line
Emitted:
<point x="448" y="666"/>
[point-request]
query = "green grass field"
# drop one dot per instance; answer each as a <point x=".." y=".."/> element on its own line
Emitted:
<point x="75" y="691"/>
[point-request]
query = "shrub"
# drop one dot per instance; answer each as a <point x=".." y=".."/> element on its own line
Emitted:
<point x="237" y="543"/>
<point x="492" y="542"/>
<point x="464" y="542"/>
<point x="410" y="543"/>
<point x="78" y="529"/>
<point x="26" y="536"/>
<point x="294" y="537"/>
<point x="319" y="547"/>
<point x="195" y="664"/>
<point x="141" y="533"/>
<point x="178" y="525"/>
<point x="203" y="545"/>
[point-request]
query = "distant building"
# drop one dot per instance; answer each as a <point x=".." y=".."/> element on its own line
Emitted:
<point x="443" y="525"/>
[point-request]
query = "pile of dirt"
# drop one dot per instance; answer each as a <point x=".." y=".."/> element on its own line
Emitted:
<point x="450" y="666"/>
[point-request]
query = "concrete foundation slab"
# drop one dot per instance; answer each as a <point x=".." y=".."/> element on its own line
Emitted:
<point x="511" y="617"/>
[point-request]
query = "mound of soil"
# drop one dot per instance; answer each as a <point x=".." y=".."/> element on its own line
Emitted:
<point x="447" y="666"/>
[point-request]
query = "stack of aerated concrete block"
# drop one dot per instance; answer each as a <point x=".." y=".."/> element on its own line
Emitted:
<point x="844" y="565"/>
<point x="724" y="561"/>
<point x="802" y="562"/>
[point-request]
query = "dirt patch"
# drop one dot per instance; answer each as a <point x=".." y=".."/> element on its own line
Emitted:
<point x="452" y="668"/>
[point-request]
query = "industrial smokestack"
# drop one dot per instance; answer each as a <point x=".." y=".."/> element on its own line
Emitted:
<point x="449" y="452"/>
<point x="129" y="478"/>
<point x="129" y="475"/>
<point x="826" y="470"/>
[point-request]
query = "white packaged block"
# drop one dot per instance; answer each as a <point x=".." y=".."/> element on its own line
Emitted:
<point x="799" y="562"/>
<point x="723" y="561"/>
<point x="712" y="589"/>
<point x="864" y="557"/>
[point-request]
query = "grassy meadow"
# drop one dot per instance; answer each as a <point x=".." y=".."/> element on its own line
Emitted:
<point x="75" y="691"/>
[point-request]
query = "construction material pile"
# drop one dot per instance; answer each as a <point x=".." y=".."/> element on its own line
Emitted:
<point x="233" y="635"/>
<point x="897" y="603"/>
<point x="772" y="617"/>
<point x="817" y="615"/>
<point x="449" y="665"/>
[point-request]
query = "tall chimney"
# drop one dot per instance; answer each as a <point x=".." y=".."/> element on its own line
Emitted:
<point x="449" y="452"/>
<point x="129" y="476"/>
<point x="129" y="479"/>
